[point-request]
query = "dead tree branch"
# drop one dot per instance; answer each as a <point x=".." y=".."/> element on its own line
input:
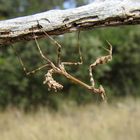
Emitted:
<point x="55" y="22"/>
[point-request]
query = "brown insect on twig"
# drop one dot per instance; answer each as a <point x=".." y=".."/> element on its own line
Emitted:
<point x="59" y="68"/>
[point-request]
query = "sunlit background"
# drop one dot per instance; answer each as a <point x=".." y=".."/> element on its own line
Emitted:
<point x="120" y="78"/>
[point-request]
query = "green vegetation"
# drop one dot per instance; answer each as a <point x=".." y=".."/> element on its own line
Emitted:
<point x="121" y="77"/>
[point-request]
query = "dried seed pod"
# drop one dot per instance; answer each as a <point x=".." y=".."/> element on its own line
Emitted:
<point x="52" y="84"/>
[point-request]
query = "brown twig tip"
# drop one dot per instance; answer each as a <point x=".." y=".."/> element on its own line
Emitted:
<point x="110" y="47"/>
<point x="102" y="92"/>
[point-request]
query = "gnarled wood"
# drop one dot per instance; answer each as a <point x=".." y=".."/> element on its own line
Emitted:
<point x="55" y="22"/>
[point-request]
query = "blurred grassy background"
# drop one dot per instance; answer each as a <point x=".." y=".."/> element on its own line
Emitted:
<point x="117" y="121"/>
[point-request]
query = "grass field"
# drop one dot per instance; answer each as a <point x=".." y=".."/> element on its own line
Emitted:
<point x="118" y="121"/>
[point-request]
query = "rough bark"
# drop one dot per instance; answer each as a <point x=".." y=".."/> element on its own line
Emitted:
<point x="55" y="22"/>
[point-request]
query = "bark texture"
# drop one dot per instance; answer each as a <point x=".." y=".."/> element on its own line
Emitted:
<point x="56" y="22"/>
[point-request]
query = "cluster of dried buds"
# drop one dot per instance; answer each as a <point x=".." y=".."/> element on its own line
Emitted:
<point x="52" y="84"/>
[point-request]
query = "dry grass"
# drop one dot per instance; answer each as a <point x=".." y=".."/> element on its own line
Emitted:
<point x="105" y="122"/>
